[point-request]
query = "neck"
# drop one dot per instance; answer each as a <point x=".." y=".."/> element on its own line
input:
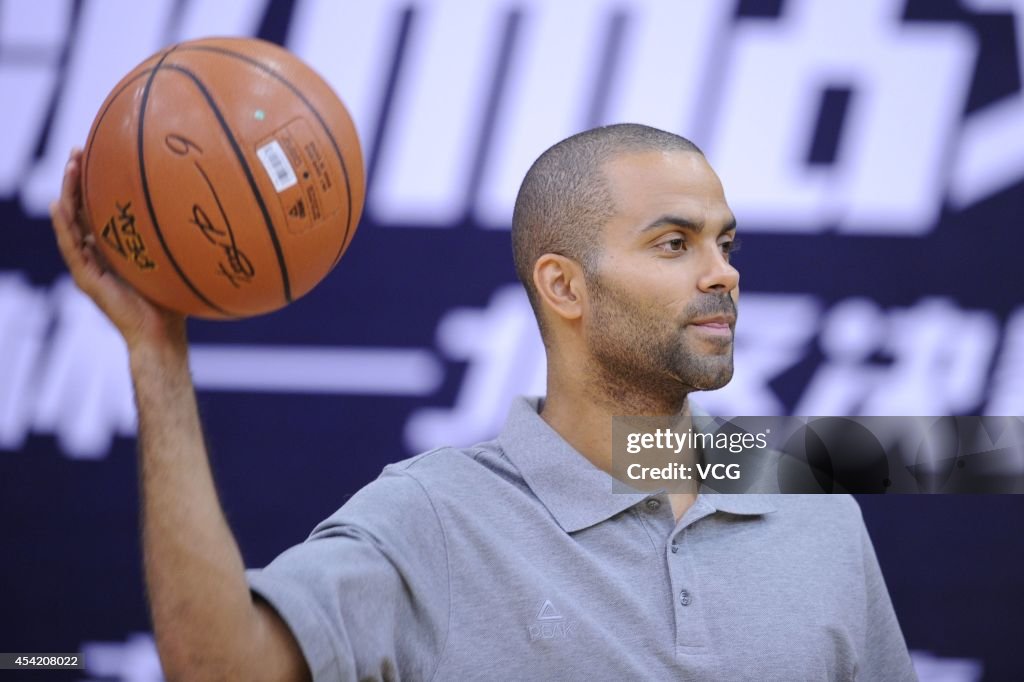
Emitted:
<point x="581" y="412"/>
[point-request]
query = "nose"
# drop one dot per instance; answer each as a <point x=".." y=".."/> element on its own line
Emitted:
<point x="719" y="275"/>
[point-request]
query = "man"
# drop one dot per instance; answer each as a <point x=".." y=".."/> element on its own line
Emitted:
<point x="513" y="559"/>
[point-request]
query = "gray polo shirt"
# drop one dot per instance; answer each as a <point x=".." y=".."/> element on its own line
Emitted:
<point x="513" y="560"/>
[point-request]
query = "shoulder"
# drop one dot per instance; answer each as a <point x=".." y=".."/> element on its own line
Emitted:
<point x="408" y="494"/>
<point x="831" y="522"/>
<point x="471" y="472"/>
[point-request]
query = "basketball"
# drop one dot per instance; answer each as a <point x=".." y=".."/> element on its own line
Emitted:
<point x="223" y="178"/>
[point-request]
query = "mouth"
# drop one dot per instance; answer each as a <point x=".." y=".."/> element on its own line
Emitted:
<point x="719" y="325"/>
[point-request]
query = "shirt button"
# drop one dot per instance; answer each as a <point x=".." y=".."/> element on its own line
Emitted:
<point x="653" y="505"/>
<point x="685" y="598"/>
<point x="675" y="548"/>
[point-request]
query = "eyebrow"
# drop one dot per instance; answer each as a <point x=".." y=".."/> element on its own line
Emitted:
<point x="686" y="224"/>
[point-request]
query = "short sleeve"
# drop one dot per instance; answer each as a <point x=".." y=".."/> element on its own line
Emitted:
<point x="885" y="655"/>
<point x="367" y="594"/>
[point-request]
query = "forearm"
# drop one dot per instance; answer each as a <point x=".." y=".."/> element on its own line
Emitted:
<point x="203" y="615"/>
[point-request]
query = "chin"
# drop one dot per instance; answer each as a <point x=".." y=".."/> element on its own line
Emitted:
<point x="715" y="382"/>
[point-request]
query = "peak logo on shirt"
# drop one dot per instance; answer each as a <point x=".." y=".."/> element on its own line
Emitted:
<point x="551" y="624"/>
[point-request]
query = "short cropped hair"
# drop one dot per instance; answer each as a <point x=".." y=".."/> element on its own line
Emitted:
<point x="565" y="201"/>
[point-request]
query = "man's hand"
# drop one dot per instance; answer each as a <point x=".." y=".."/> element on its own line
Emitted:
<point x="140" y="322"/>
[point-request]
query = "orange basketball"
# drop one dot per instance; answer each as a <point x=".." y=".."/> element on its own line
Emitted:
<point x="223" y="178"/>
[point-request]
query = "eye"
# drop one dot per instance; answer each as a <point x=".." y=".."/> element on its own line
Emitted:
<point x="676" y="245"/>
<point x="730" y="246"/>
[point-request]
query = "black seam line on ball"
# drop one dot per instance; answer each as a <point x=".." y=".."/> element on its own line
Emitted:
<point x="112" y="97"/>
<point x="248" y="176"/>
<point x="87" y="155"/>
<point x="319" y="118"/>
<point x="149" y="200"/>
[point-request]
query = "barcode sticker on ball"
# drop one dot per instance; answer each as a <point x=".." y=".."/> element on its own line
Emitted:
<point x="277" y="166"/>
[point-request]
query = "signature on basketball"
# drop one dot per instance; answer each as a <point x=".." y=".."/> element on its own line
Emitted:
<point x="238" y="267"/>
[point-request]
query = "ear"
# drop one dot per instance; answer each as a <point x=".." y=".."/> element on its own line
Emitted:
<point x="560" y="285"/>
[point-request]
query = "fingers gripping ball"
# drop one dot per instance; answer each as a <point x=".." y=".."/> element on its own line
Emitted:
<point x="223" y="178"/>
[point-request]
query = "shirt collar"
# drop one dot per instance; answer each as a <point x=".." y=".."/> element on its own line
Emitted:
<point x="745" y="504"/>
<point x="732" y="503"/>
<point x="576" y="493"/>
